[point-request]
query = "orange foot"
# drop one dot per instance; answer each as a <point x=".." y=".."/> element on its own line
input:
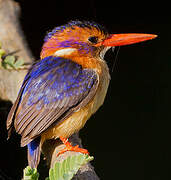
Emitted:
<point x="69" y="147"/>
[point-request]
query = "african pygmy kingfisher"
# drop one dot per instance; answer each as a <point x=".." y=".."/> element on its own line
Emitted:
<point x="69" y="83"/>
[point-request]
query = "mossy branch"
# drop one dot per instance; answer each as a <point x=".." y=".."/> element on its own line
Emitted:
<point x="64" y="170"/>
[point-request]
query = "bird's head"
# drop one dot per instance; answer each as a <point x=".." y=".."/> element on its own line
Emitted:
<point x="85" y="39"/>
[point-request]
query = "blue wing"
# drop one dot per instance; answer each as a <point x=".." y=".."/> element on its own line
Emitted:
<point x="52" y="90"/>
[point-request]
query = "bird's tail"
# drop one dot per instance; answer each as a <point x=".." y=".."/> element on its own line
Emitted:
<point x="33" y="153"/>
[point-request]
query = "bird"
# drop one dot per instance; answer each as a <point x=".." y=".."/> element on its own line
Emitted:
<point x="66" y="86"/>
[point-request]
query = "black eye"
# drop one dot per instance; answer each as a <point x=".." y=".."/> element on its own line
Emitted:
<point x="93" y="39"/>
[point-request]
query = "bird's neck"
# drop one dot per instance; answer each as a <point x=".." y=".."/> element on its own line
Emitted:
<point x="85" y="60"/>
<point x="88" y="62"/>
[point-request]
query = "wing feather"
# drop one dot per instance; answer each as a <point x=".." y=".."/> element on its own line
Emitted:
<point x="52" y="90"/>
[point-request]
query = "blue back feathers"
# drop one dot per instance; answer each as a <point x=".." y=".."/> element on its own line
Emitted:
<point x="53" y="79"/>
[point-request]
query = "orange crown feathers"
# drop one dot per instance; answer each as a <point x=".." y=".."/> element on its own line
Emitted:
<point x="74" y="34"/>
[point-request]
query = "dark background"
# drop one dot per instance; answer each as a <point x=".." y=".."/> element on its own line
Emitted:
<point x="129" y="136"/>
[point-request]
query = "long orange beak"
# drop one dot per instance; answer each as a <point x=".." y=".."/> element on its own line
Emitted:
<point x="125" y="39"/>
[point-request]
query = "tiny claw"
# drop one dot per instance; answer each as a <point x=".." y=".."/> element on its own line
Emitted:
<point x="75" y="147"/>
<point x="81" y="150"/>
<point x="62" y="151"/>
<point x="69" y="147"/>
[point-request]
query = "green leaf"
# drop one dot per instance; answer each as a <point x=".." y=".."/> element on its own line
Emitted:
<point x="19" y="63"/>
<point x="10" y="62"/>
<point x="66" y="169"/>
<point x="51" y="174"/>
<point x="30" y="173"/>
<point x="2" y="52"/>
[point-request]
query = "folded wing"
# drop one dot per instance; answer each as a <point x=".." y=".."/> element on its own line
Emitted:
<point x="52" y="90"/>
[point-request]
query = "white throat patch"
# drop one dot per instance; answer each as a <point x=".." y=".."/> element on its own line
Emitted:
<point x="63" y="52"/>
<point x="103" y="52"/>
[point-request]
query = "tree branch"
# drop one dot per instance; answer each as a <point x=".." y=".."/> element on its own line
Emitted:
<point x="11" y="34"/>
<point x="51" y="149"/>
<point x="13" y="39"/>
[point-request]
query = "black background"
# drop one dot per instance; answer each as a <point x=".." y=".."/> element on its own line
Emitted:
<point x="129" y="136"/>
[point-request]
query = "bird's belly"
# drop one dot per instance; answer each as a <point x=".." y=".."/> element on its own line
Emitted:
<point x="76" y="121"/>
<point x="70" y="125"/>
